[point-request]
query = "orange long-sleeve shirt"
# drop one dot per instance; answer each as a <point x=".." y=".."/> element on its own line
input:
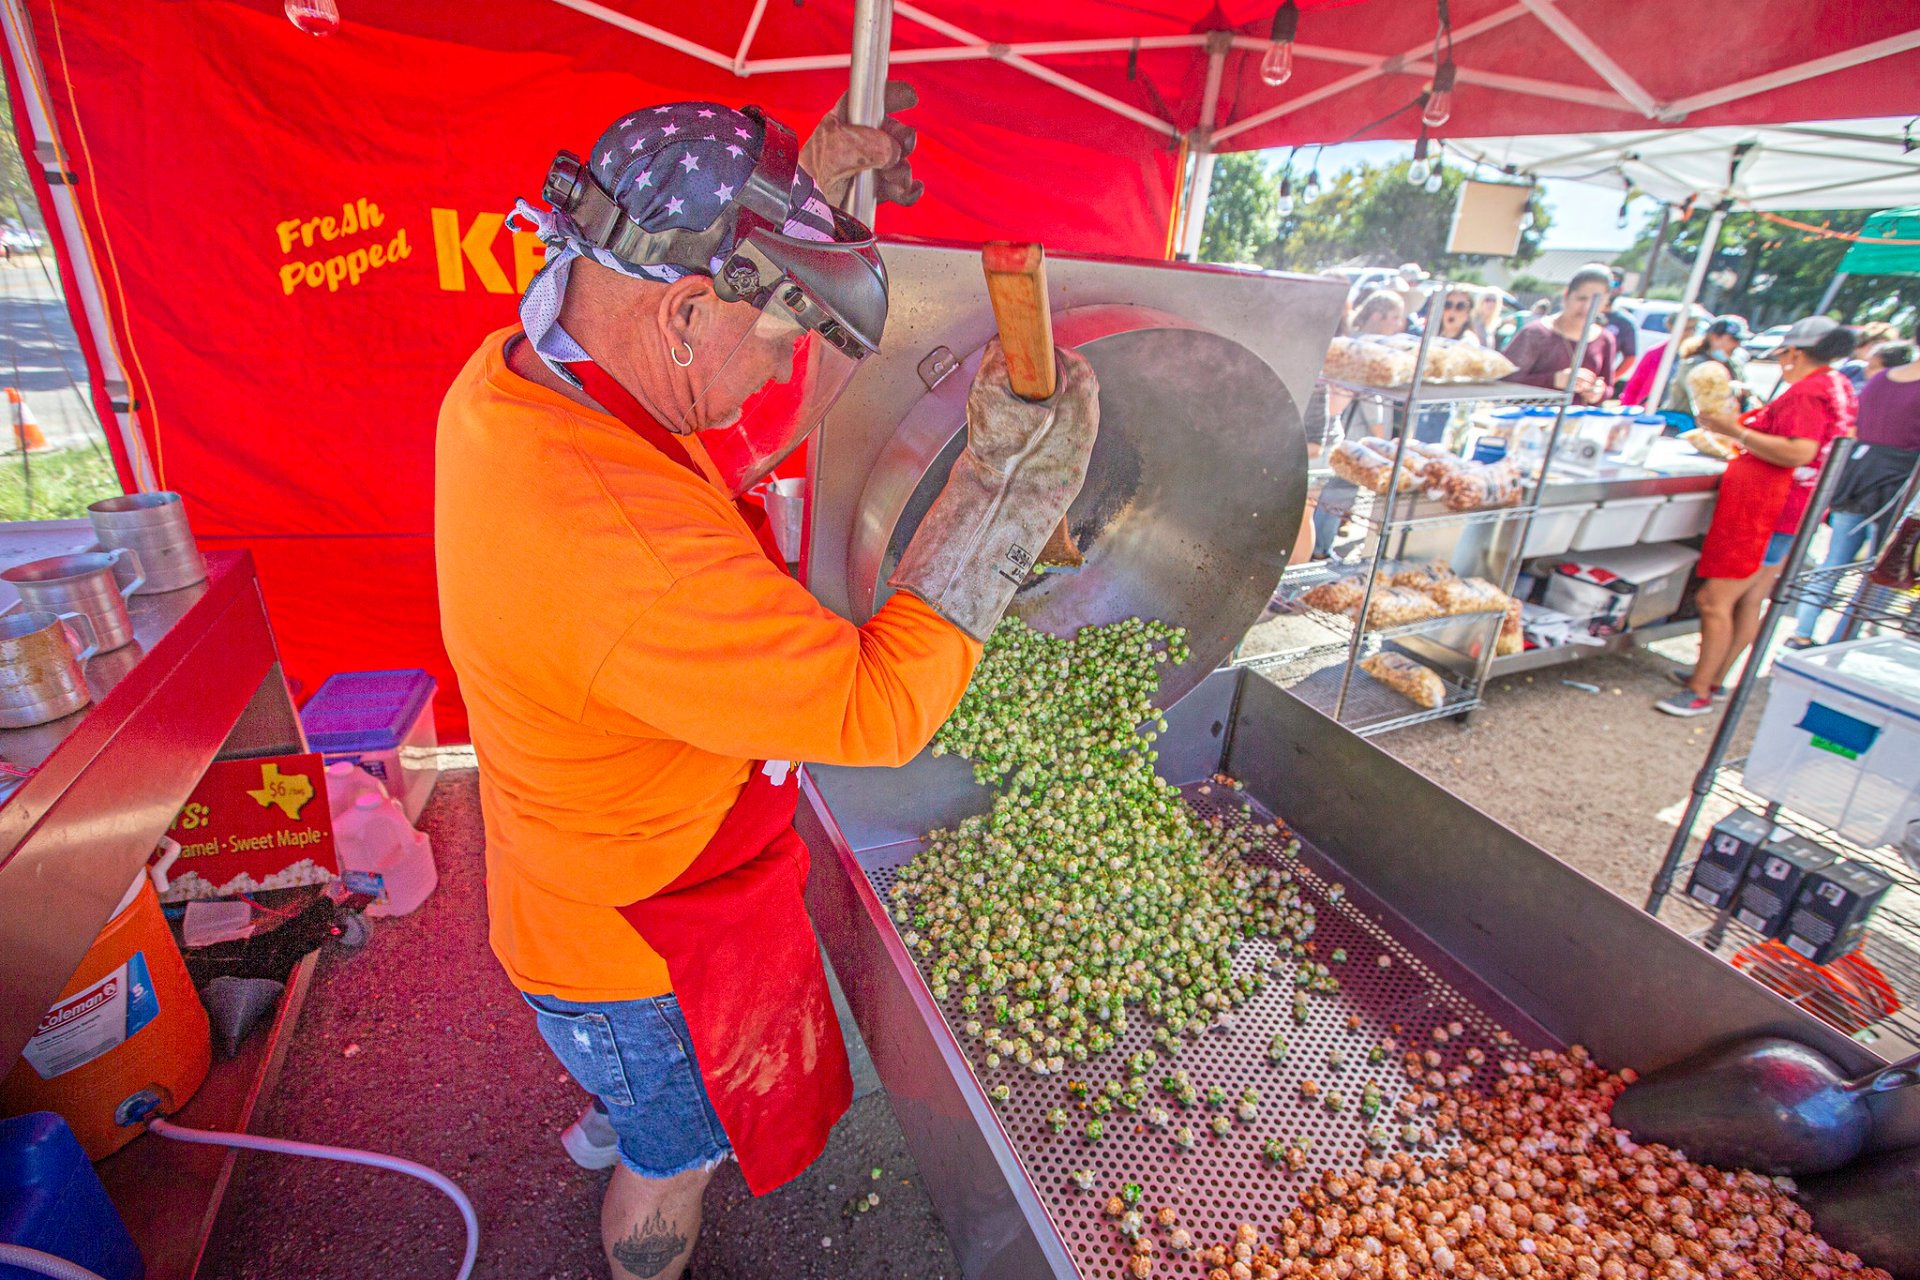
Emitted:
<point x="625" y="649"/>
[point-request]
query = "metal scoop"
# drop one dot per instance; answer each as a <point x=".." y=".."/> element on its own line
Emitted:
<point x="1771" y="1105"/>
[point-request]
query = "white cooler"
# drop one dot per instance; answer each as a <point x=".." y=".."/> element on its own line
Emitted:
<point x="1685" y="515"/>
<point x="1840" y="740"/>
<point x="1614" y="524"/>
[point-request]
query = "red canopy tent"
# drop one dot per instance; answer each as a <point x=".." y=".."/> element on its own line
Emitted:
<point x="280" y="248"/>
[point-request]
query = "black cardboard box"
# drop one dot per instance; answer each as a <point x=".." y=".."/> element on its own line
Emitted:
<point x="1829" y="917"/>
<point x="1724" y="856"/>
<point x="1773" y="881"/>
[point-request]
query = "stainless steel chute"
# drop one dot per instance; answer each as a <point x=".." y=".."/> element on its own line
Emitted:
<point x="1198" y="481"/>
<point x="1191" y="504"/>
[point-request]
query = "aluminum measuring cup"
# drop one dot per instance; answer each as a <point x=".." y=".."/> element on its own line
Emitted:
<point x="154" y="527"/>
<point x="83" y="583"/>
<point x="40" y="676"/>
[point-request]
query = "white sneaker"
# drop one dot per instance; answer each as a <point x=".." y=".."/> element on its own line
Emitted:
<point x="590" y="1141"/>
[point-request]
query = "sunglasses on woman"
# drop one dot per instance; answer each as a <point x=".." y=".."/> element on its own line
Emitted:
<point x="1456" y="306"/>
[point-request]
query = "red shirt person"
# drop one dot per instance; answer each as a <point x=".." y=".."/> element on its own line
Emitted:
<point x="1762" y="498"/>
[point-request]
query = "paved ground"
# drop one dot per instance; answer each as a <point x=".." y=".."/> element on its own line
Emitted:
<point x="39" y="354"/>
<point x="1595" y="779"/>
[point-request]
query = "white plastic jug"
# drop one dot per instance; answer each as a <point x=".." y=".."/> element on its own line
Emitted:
<point x="346" y="783"/>
<point x="381" y="853"/>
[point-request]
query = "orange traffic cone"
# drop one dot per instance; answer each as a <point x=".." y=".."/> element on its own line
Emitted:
<point x="26" y="432"/>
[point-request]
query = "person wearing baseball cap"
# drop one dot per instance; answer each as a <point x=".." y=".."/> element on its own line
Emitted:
<point x="1762" y="498"/>
<point x="639" y="668"/>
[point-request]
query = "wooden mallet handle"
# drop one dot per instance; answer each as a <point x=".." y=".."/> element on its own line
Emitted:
<point x="1017" y="287"/>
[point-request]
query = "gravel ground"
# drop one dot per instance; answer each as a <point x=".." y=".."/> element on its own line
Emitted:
<point x="418" y="1046"/>
<point x="1598" y="780"/>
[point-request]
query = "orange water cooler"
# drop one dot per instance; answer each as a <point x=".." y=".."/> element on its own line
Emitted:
<point x="128" y="1020"/>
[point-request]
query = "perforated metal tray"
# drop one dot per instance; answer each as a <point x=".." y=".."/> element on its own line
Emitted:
<point x="1225" y="1181"/>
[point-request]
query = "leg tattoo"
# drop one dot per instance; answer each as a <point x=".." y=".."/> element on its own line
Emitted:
<point x="648" y="1248"/>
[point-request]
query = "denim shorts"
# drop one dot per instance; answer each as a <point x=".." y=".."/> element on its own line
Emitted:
<point x="635" y="1056"/>
<point x="1777" y="547"/>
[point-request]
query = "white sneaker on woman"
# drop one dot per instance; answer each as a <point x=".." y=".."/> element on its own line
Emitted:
<point x="590" y="1141"/>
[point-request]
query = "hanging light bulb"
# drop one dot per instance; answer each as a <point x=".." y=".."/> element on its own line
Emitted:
<point x="1419" y="170"/>
<point x="1312" y="186"/>
<point x="1284" y="205"/>
<point x="1439" y="104"/>
<point x="1276" y="64"/>
<point x="1435" y="182"/>
<point x="1621" y="220"/>
<point x="315" y="17"/>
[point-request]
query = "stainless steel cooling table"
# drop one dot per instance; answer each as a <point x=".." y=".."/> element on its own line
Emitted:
<point x="1193" y="500"/>
<point x="1479" y="927"/>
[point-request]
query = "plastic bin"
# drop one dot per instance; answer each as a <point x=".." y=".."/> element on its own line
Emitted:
<point x="1614" y="524"/>
<point x="1685" y="515"/>
<point x="1840" y="739"/>
<point x="51" y="1200"/>
<point x="1554" y="527"/>
<point x="383" y="722"/>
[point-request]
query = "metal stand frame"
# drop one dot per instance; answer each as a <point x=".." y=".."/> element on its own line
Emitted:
<point x="1391" y="525"/>
<point x="1895" y="951"/>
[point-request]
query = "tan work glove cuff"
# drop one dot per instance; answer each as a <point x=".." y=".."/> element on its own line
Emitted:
<point x="1022" y="468"/>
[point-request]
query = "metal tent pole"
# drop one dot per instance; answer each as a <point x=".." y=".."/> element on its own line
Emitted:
<point x="1833" y="287"/>
<point x="1749" y="677"/>
<point x="1709" y="245"/>
<point x="1197" y="195"/>
<point x="114" y="396"/>
<point x="867" y="85"/>
<point x="1659" y="247"/>
<point x="1200" y="144"/>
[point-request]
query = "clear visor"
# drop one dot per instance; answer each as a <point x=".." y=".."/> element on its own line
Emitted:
<point x="768" y="395"/>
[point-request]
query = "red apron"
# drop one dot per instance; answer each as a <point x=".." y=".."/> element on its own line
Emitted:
<point x="739" y="948"/>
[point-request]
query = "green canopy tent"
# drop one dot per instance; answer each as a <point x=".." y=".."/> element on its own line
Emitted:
<point x="1898" y="250"/>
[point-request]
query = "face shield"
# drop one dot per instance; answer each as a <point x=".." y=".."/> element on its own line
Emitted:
<point x="819" y="310"/>
<point x="768" y="395"/>
<point x="811" y="277"/>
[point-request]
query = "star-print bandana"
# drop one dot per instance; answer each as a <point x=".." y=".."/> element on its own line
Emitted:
<point x="673" y="166"/>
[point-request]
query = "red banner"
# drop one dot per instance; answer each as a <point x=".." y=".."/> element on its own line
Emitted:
<point x="300" y="241"/>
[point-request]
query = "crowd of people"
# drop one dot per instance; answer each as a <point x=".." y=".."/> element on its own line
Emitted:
<point x="1835" y="383"/>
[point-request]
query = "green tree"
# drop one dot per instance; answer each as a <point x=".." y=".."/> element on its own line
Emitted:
<point x="1372" y="214"/>
<point x="1772" y="273"/>
<point x="1243" y="213"/>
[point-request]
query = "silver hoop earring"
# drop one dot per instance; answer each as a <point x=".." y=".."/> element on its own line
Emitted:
<point x="673" y="354"/>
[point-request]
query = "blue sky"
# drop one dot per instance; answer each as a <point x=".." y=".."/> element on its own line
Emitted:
<point x="1584" y="215"/>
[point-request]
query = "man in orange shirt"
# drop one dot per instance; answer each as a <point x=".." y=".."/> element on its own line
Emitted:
<point x="639" y="670"/>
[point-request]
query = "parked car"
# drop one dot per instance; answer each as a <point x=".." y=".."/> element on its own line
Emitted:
<point x="1653" y="321"/>
<point x="19" y="239"/>
<point x="1762" y="345"/>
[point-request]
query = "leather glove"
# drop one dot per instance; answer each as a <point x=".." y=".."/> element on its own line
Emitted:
<point x="1023" y="466"/>
<point x="838" y="152"/>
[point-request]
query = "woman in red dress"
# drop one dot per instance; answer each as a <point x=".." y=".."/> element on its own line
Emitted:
<point x="1762" y="497"/>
